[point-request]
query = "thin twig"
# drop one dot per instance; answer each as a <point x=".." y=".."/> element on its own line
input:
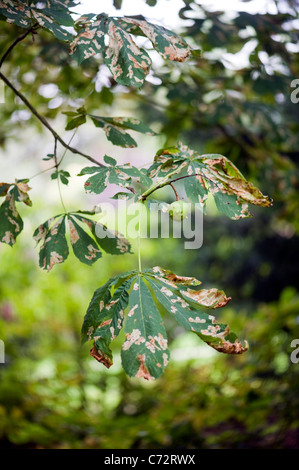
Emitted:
<point x="16" y="41"/>
<point x="57" y="175"/>
<point x="45" y="122"/>
<point x="175" y="192"/>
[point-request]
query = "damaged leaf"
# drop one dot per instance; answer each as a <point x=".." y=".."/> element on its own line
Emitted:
<point x="51" y="15"/>
<point x="128" y="63"/>
<point x="91" y="39"/>
<point x="215" y="334"/>
<point x="145" y="351"/>
<point x="120" y="175"/>
<point x="169" y="45"/>
<point x="135" y="300"/>
<point x="214" y="174"/>
<point x="54" y="249"/>
<point x="109" y="324"/>
<point x="109" y="240"/>
<point x="11" y="223"/>
<point x="84" y="247"/>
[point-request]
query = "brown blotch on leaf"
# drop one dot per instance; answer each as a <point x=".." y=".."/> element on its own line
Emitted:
<point x="101" y="357"/>
<point x="143" y="370"/>
<point x="230" y="348"/>
<point x="208" y="297"/>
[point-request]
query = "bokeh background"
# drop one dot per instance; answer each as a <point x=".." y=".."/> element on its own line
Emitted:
<point x="234" y="100"/>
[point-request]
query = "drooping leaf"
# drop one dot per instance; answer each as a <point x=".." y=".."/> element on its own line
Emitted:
<point x="215" y="334"/>
<point x="84" y="247"/>
<point x="109" y="324"/>
<point x="170" y="45"/>
<point x="137" y="300"/>
<point x="54" y="249"/>
<point x="128" y="64"/>
<point x="96" y="309"/>
<point x="11" y="223"/>
<point x="144" y="353"/>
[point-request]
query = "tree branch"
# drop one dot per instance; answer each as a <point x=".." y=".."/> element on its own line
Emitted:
<point x="45" y="122"/>
<point x="16" y="41"/>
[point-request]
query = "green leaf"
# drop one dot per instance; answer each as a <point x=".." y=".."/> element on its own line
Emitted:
<point x="114" y="134"/>
<point x="144" y="353"/>
<point x="114" y="129"/>
<point x="64" y="180"/>
<point x="84" y="247"/>
<point x="54" y="249"/>
<point x="48" y="21"/>
<point x="76" y="122"/>
<point x="49" y="156"/>
<point x="95" y="184"/>
<point x="91" y="40"/>
<point x="120" y="175"/>
<point x="11" y="223"/>
<point x="128" y="64"/>
<point x="109" y="160"/>
<point x="195" y="186"/>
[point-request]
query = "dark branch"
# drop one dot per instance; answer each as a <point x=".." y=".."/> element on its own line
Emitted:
<point x="45" y="122"/>
<point x="16" y="41"/>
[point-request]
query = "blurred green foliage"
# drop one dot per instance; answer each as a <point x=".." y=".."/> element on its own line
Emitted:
<point x="52" y="394"/>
